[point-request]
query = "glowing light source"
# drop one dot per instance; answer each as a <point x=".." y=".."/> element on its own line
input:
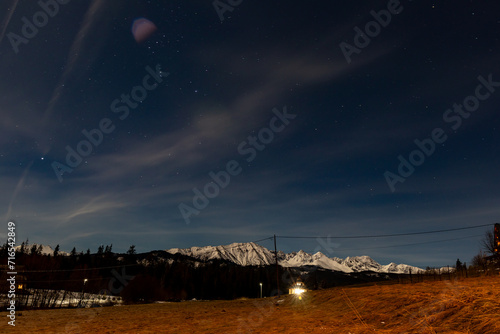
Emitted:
<point x="297" y="289"/>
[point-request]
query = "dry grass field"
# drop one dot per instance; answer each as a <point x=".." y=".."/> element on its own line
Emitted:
<point x="463" y="306"/>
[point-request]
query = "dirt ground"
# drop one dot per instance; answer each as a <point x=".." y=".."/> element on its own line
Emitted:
<point x="465" y="306"/>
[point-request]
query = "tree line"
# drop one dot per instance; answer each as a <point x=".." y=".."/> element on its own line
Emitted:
<point x="159" y="275"/>
<point x="145" y="277"/>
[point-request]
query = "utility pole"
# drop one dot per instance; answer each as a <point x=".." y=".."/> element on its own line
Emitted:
<point x="496" y="239"/>
<point x="277" y="274"/>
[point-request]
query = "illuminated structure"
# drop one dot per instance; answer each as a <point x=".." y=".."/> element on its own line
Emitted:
<point x="21" y="282"/>
<point x="297" y="289"/>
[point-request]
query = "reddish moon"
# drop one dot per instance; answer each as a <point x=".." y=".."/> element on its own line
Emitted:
<point x="142" y="29"/>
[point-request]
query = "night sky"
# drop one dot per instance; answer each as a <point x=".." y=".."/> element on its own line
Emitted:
<point x="303" y="120"/>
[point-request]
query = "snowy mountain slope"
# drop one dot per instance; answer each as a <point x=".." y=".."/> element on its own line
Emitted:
<point x="251" y="254"/>
<point x="400" y="268"/>
<point x="244" y="254"/>
<point x="301" y="258"/>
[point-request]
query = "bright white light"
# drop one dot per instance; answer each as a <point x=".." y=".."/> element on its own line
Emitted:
<point x="298" y="291"/>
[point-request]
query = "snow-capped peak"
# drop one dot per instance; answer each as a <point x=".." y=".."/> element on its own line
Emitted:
<point x="244" y="254"/>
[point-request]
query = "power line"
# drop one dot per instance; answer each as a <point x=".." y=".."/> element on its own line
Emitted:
<point x="387" y="235"/>
<point x="412" y="244"/>
<point x="65" y="280"/>
<point x="270" y="238"/>
<point x="237" y="245"/>
<point x="78" y="269"/>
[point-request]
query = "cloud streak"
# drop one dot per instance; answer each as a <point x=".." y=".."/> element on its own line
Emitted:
<point x="6" y="21"/>
<point x="92" y="15"/>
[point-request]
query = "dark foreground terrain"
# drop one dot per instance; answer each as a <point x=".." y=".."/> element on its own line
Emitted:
<point x="462" y="306"/>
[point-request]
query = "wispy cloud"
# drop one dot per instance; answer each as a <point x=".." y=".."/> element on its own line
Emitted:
<point x="5" y="23"/>
<point x="17" y="190"/>
<point x="95" y="205"/>
<point x="93" y="14"/>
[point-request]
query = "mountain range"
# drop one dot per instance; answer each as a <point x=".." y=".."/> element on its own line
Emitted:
<point x="252" y="254"/>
